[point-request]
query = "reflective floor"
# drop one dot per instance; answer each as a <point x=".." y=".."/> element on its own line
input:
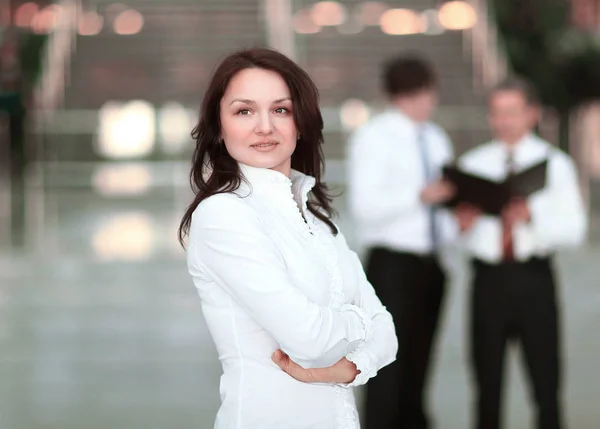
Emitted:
<point x="100" y="326"/>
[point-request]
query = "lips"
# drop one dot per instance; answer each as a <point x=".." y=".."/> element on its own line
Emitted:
<point x="265" y="144"/>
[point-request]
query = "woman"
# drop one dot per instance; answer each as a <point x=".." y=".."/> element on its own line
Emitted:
<point x="295" y="322"/>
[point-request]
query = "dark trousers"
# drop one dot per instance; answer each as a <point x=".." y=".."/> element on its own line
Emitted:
<point x="515" y="301"/>
<point x="412" y="288"/>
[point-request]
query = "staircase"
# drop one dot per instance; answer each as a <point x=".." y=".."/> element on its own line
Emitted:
<point x="172" y="57"/>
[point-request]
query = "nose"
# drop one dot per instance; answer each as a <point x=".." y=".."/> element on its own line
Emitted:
<point x="264" y="125"/>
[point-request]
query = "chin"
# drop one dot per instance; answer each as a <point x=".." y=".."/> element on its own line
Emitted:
<point x="264" y="161"/>
<point x="270" y="159"/>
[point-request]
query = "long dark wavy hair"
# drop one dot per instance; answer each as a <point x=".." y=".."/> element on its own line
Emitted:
<point x="214" y="171"/>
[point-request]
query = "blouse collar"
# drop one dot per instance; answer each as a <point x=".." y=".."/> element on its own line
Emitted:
<point x="264" y="180"/>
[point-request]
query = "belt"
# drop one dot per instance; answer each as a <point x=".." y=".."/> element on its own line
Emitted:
<point x="430" y="257"/>
<point x="536" y="260"/>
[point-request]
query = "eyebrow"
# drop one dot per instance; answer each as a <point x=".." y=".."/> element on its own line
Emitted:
<point x="246" y="101"/>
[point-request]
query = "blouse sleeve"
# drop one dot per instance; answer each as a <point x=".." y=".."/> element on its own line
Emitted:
<point x="229" y="244"/>
<point x="381" y="348"/>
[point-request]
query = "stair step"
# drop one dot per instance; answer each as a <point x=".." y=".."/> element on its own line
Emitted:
<point x="172" y="58"/>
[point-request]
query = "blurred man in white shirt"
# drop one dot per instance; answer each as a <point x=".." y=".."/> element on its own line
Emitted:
<point x="513" y="286"/>
<point x="394" y="169"/>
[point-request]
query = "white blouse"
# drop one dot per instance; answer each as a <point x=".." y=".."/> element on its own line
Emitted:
<point x="271" y="275"/>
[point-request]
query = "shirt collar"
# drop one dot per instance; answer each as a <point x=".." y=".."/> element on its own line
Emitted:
<point x="264" y="180"/>
<point x="399" y="116"/>
<point x="521" y="150"/>
<point x="525" y="141"/>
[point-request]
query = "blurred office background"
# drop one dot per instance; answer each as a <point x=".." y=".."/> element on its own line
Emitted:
<point x="99" y="323"/>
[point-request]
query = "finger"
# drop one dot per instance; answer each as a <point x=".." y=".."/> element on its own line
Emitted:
<point x="444" y="192"/>
<point x="511" y="216"/>
<point x="474" y="210"/>
<point x="289" y="366"/>
<point x="297" y="372"/>
<point x="448" y="187"/>
<point x="447" y="183"/>
<point x="281" y="359"/>
<point x="469" y="209"/>
<point x="277" y="356"/>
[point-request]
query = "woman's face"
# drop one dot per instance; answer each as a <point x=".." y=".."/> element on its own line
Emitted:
<point x="257" y="121"/>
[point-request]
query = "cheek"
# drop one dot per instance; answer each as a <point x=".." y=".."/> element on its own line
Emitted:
<point x="235" y="134"/>
<point x="532" y="119"/>
<point x="234" y="129"/>
<point x="501" y="119"/>
<point x="225" y="126"/>
<point x="428" y="108"/>
<point x="287" y="129"/>
<point x="496" y="123"/>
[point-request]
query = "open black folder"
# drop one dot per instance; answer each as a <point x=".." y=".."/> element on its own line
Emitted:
<point x="491" y="196"/>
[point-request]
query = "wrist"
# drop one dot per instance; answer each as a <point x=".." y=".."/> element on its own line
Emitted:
<point x="343" y="371"/>
<point x="321" y="375"/>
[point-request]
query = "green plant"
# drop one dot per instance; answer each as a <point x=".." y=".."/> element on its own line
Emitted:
<point x="561" y="61"/>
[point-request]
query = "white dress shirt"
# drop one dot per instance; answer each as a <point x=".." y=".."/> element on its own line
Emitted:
<point x="271" y="275"/>
<point x="558" y="217"/>
<point x="386" y="175"/>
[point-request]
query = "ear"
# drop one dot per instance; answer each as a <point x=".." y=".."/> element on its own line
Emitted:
<point x="535" y="113"/>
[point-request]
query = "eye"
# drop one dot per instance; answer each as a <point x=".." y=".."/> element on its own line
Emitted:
<point x="243" y="112"/>
<point x="281" y="110"/>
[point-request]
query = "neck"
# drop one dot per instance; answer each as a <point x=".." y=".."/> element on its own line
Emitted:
<point x="405" y="109"/>
<point x="285" y="169"/>
<point x="512" y="141"/>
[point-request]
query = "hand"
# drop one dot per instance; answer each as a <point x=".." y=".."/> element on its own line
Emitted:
<point x="467" y="215"/>
<point x="516" y="211"/>
<point x="437" y="192"/>
<point x="343" y="371"/>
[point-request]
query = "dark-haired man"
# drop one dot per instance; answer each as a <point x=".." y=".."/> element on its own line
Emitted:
<point x="394" y="168"/>
<point x="513" y="289"/>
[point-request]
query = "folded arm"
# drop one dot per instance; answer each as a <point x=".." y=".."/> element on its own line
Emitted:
<point x="229" y="245"/>
<point x="380" y="349"/>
